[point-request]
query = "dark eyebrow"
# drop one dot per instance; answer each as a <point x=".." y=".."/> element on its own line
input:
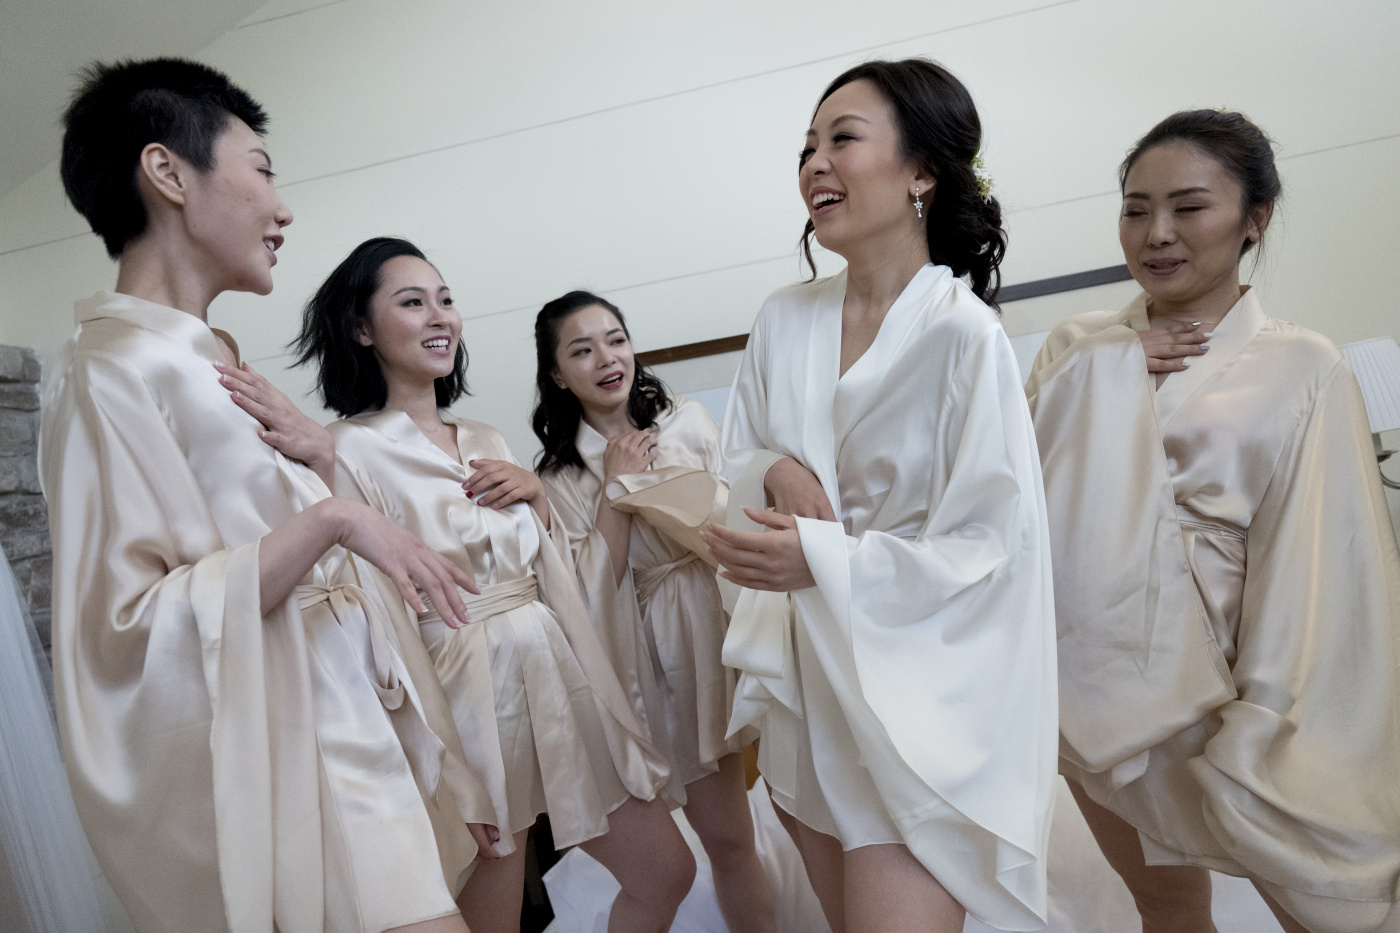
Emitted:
<point x="1180" y="193"/>
<point x="841" y="119"/>
<point x="263" y="153"/>
<point x="411" y="288"/>
<point x="615" y="330"/>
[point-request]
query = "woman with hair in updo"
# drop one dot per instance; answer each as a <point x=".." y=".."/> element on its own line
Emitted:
<point x="1226" y="579"/>
<point x="895" y="630"/>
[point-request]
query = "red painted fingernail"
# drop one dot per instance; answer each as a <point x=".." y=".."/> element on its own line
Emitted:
<point x="470" y="493"/>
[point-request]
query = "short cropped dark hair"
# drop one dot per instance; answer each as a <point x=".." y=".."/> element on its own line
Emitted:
<point x="347" y="373"/>
<point x="121" y="108"/>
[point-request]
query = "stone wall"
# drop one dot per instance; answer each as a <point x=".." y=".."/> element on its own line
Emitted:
<point x="24" y="520"/>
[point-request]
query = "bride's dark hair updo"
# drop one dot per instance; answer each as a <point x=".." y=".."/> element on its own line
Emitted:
<point x="940" y="132"/>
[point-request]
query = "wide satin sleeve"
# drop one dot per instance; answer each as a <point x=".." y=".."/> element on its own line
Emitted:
<point x="951" y="631"/>
<point x="1301" y="779"/>
<point x="611" y="603"/>
<point x="745" y="427"/>
<point x="162" y="681"/>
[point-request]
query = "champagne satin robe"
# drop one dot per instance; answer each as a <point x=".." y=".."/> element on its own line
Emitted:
<point x="539" y="710"/>
<point x="1228" y="592"/>
<point x="664" y="623"/>
<point x="233" y="771"/>
<point x="908" y="697"/>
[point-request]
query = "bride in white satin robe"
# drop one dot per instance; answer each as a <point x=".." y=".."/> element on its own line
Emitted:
<point x="895" y="640"/>
<point x="1227" y="581"/>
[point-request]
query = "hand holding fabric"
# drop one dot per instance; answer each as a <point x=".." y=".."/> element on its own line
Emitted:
<point x="771" y="560"/>
<point x="632" y="452"/>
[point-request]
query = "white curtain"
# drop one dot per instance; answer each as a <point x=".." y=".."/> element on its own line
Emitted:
<point x="49" y="880"/>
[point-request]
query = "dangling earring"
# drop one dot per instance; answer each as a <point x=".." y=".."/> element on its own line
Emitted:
<point x="918" y="205"/>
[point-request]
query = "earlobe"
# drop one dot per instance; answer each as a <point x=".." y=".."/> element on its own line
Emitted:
<point x="362" y="336"/>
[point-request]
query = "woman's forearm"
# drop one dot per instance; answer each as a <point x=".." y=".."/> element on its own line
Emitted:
<point x="616" y="529"/>
<point x="287" y="553"/>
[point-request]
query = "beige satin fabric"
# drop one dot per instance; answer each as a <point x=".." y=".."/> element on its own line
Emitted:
<point x="664" y="624"/>
<point x="232" y="770"/>
<point x="1228" y="593"/>
<point x="541" y="716"/>
<point x="908" y="697"/>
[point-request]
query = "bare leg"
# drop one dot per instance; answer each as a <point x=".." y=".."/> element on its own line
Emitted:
<point x="648" y="856"/>
<point x="1170" y="898"/>
<point x="454" y="924"/>
<point x="490" y="900"/>
<point x="1284" y="918"/>
<point x="718" y="810"/>
<point x="825" y="864"/>
<point x="889" y="891"/>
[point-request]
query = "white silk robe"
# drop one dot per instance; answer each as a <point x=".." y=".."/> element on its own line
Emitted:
<point x="908" y="697"/>
<point x="665" y="621"/>
<point x="233" y="771"/>
<point x="539" y="709"/>
<point x="1228" y="597"/>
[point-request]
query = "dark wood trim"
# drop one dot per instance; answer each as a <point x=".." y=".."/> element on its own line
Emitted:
<point x="1064" y="283"/>
<point x="692" y="351"/>
<point x="1009" y="293"/>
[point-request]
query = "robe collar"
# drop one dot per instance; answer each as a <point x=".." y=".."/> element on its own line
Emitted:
<point x="398" y="427"/>
<point x="591" y="447"/>
<point x="182" y="327"/>
<point x="1234" y="332"/>
<point x="836" y="402"/>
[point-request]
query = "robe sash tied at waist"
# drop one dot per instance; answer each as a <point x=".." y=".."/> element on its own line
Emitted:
<point x="646" y="581"/>
<point x="495" y="598"/>
<point x="355" y="612"/>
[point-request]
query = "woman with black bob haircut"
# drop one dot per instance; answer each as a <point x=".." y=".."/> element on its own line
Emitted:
<point x="633" y="475"/>
<point x="245" y="747"/>
<point x="895" y="630"/>
<point x="1226" y="579"/>
<point x="541" y="716"/>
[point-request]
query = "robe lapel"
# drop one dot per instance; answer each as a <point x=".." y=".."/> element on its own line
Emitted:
<point x="858" y="390"/>
<point x="823" y="366"/>
<point x="1232" y="334"/>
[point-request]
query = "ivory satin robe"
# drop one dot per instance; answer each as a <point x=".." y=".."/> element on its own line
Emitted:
<point x="664" y="622"/>
<point x="908" y="697"/>
<point x="233" y="771"/>
<point x="539" y="709"/>
<point x="1228" y="596"/>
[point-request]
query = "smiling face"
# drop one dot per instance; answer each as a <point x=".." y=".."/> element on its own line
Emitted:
<point x="854" y="178"/>
<point x="412" y="326"/>
<point x="1183" y="224"/>
<point x="233" y="214"/>
<point x="594" y="359"/>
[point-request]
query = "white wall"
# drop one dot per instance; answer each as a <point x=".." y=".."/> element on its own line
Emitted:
<point x="648" y="151"/>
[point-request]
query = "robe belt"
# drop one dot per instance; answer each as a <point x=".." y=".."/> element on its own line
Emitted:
<point x="648" y="580"/>
<point x="1190" y="520"/>
<point x="495" y="598"/>
<point x="422" y="748"/>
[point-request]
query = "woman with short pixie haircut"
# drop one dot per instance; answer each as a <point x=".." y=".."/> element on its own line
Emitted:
<point x="895" y="636"/>
<point x="1227" y="583"/>
<point x="245" y="745"/>
<point x="539" y="710"/>
<point x="633" y="473"/>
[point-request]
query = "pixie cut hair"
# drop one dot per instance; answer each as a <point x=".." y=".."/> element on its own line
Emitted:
<point x="121" y="108"/>
<point x="348" y="376"/>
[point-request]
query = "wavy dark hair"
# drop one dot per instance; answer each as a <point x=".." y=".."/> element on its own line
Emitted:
<point x="557" y="411"/>
<point x="121" y="108"/>
<point x="1231" y="139"/>
<point x="939" y="131"/>
<point x="348" y="376"/>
